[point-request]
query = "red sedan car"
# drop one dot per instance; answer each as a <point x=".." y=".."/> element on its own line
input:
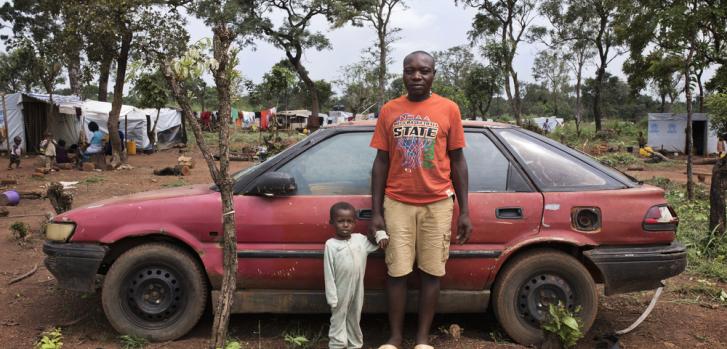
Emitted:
<point x="549" y="224"/>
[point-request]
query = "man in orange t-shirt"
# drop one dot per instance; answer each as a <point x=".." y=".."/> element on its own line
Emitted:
<point x="419" y="167"/>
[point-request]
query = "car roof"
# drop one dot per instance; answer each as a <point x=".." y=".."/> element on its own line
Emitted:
<point x="465" y="123"/>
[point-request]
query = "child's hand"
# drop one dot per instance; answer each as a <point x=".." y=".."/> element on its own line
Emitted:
<point x="383" y="243"/>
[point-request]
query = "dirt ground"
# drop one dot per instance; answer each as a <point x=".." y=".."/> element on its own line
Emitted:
<point x="683" y="318"/>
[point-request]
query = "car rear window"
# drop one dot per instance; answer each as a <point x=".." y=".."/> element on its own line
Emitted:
<point x="553" y="169"/>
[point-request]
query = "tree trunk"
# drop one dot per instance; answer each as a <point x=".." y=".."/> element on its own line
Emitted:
<point x="597" y="96"/>
<point x="690" y="140"/>
<point x="103" y="77"/>
<point x="701" y="90"/>
<point x="222" y="39"/>
<point x="518" y="101"/>
<point x="151" y="132"/>
<point x="579" y="107"/>
<point x="382" y="70"/>
<point x="113" y="122"/>
<point x="717" y="197"/>
<point x="662" y="108"/>
<point x="310" y="85"/>
<point x="74" y="72"/>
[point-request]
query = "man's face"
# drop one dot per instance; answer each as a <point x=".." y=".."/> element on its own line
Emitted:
<point x="418" y="75"/>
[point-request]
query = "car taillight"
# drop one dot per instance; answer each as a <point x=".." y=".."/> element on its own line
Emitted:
<point x="661" y="218"/>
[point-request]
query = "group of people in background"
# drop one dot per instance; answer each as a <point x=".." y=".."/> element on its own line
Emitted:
<point x="54" y="151"/>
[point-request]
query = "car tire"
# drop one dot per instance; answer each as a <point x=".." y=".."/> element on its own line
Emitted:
<point x="531" y="281"/>
<point x="156" y="291"/>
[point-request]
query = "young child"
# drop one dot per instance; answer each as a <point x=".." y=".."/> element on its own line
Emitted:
<point x="15" y="152"/>
<point x="48" y="149"/>
<point x="344" y="265"/>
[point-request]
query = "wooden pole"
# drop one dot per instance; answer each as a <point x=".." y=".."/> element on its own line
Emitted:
<point x="7" y="130"/>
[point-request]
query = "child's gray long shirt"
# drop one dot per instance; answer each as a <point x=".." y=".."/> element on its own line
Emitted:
<point x="344" y="265"/>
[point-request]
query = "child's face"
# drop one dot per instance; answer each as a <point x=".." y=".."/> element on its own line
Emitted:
<point x="343" y="222"/>
<point x="17" y="141"/>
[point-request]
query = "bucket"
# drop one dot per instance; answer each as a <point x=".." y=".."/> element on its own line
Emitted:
<point x="11" y="198"/>
<point x="131" y="147"/>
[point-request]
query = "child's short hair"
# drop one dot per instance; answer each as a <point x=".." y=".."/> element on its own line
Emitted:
<point x="341" y="205"/>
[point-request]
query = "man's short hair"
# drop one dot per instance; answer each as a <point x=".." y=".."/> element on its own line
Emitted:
<point x="419" y="52"/>
<point x="340" y="206"/>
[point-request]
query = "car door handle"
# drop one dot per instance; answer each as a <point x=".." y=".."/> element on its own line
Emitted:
<point x="509" y="213"/>
<point x="365" y="214"/>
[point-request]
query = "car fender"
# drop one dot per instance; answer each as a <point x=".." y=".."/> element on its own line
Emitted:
<point x="140" y="230"/>
<point x="545" y="239"/>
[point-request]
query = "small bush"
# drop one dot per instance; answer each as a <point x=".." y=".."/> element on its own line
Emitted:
<point x="51" y="339"/>
<point x="20" y="231"/>
<point x="620" y="159"/>
<point x="132" y="342"/>
<point x="564" y="324"/>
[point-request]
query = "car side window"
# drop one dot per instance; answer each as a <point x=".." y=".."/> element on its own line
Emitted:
<point x="489" y="169"/>
<point x="550" y="168"/>
<point x="339" y="165"/>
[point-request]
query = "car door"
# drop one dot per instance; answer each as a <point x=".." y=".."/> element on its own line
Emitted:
<point x="280" y="239"/>
<point x="504" y="207"/>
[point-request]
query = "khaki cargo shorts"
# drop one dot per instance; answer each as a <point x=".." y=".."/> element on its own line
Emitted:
<point x="420" y="233"/>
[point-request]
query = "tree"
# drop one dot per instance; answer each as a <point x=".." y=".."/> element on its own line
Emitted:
<point x="550" y="68"/>
<point x="503" y="24"/>
<point x="662" y="71"/>
<point x="151" y="91"/>
<point x="294" y="37"/>
<point x="717" y="105"/>
<point x="377" y="14"/>
<point x="480" y="85"/>
<point x="16" y="71"/>
<point x="276" y="87"/>
<point x="360" y="86"/>
<point x="673" y="26"/>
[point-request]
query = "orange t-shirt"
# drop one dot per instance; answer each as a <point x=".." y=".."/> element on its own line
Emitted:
<point x="418" y="136"/>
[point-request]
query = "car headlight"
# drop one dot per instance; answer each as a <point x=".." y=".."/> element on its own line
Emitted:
<point x="59" y="231"/>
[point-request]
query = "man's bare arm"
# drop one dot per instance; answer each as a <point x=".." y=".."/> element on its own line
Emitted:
<point x="460" y="180"/>
<point x="379" y="174"/>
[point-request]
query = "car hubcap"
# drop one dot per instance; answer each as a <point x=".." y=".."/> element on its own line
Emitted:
<point x="538" y="292"/>
<point x="154" y="294"/>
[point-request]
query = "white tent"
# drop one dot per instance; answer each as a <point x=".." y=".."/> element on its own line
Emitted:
<point x="668" y="131"/>
<point x="553" y="122"/>
<point x="27" y="117"/>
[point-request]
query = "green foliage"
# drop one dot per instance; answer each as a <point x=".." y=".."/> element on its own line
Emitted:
<point x="177" y="183"/>
<point x="132" y="342"/>
<point x="706" y="251"/>
<point x="92" y="179"/>
<point x="19" y="231"/>
<point x="301" y="337"/>
<point x="619" y="159"/>
<point x="564" y="324"/>
<point x="51" y="339"/>
<point x="150" y="90"/>
<point x="233" y="344"/>
<point x="296" y="341"/>
<point x="717" y="105"/>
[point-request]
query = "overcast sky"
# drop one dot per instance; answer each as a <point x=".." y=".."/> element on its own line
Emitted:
<point x="430" y="25"/>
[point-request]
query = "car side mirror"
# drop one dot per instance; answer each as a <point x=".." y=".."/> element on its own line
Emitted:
<point x="273" y="184"/>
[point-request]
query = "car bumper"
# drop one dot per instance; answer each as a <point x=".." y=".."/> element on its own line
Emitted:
<point x="74" y="265"/>
<point x="637" y="268"/>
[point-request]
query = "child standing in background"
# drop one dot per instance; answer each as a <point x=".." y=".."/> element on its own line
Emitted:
<point x="16" y="150"/>
<point x="344" y="265"/>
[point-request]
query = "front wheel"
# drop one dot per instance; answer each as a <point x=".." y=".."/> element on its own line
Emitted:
<point x="156" y="291"/>
<point x="532" y="281"/>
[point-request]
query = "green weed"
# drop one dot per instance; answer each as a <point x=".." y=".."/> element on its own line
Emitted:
<point x="132" y="342"/>
<point x="178" y="183"/>
<point x="19" y="231"/>
<point x="564" y="324"/>
<point x="619" y="159"/>
<point x="92" y="179"/>
<point x="302" y="338"/>
<point x="52" y="339"/>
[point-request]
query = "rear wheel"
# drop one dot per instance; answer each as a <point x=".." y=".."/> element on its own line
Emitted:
<point x="156" y="291"/>
<point x="532" y="281"/>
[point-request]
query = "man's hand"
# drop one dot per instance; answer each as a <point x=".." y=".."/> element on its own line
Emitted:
<point x="377" y="223"/>
<point x="464" y="228"/>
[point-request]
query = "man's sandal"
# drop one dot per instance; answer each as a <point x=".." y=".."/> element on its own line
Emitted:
<point x="388" y="346"/>
<point x="423" y="346"/>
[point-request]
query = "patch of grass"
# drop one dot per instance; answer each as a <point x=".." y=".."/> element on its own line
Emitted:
<point x="702" y="290"/>
<point x="92" y="179"/>
<point x="616" y="133"/>
<point x="19" y="231"/>
<point x="564" y="324"/>
<point x="178" y="183"/>
<point x="706" y="250"/>
<point x="132" y="342"/>
<point x="51" y="339"/>
<point x="299" y="337"/>
<point x="619" y="159"/>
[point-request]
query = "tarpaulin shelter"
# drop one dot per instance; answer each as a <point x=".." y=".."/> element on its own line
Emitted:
<point x="28" y="116"/>
<point x="668" y="131"/>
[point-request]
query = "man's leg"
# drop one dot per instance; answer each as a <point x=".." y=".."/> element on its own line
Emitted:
<point x="396" y="292"/>
<point x="428" y="296"/>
